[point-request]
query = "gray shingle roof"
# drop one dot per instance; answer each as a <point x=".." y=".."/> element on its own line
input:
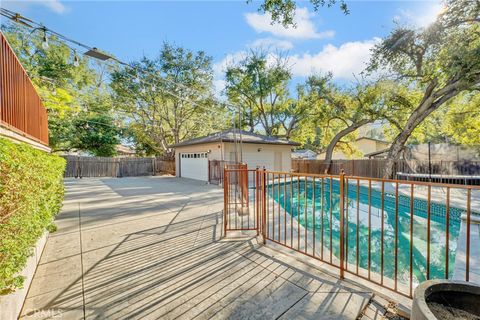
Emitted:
<point x="228" y="136"/>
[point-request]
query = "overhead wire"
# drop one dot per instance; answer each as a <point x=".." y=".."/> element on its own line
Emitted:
<point x="19" y="19"/>
<point x="136" y="69"/>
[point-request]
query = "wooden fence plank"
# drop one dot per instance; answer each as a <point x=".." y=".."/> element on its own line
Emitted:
<point x="374" y="168"/>
<point x="78" y="167"/>
<point x="128" y="167"/>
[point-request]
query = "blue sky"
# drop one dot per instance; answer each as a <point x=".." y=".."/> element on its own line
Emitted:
<point x="324" y="41"/>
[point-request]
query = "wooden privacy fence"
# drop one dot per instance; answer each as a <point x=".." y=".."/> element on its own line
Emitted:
<point x="374" y="168"/>
<point x="21" y="109"/>
<point x="216" y="170"/>
<point x="79" y="167"/>
<point x="164" y="166"/>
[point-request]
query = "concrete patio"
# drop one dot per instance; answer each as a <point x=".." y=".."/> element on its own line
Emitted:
<point x="150" y="248"/>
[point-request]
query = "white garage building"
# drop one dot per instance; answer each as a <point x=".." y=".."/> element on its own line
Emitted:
<point x="192" y="156"/>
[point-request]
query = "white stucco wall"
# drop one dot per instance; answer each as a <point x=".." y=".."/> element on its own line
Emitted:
<point x="251" y="156"/>
<point x="214" y="152"/>
<point x="364" y="146"/>
<point x="265" y="157"/>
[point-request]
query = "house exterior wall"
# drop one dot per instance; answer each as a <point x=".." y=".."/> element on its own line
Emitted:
<point x="251" y="156"/>
<point x="215" y="153"/>
<point x="16" y="137"/>
<point x="265" y="157"/>
<point x="364" y="146"/>
<point x="337" y="155"/>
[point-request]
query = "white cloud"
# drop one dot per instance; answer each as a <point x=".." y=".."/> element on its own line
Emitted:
<point x="271" y="43"/>
<point x="219" y="86"/>
<point x="344" y="62"/>
<point x="305" y="27"/>
<point x="54" y="5"/>
<point x="421" y="17"/>
<point x="21" y="5"/>
<point x="220" y="67"/>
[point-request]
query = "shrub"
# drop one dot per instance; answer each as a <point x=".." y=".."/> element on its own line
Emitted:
<point x="31" y="194"/>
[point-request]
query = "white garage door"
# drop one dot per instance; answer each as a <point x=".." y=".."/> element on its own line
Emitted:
<point x="194" y="165"/>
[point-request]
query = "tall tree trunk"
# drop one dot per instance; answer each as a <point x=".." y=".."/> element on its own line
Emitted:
<point x="431" y="102"/>
<point x="401" y="139"/>
<point x="339" y="136"/>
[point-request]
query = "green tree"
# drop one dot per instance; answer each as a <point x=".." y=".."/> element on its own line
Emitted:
<point x="67" y="91"/>
<point x="95" y="128"/>
<point x="260" y="88"/>
<point x="462" y="123"/>
<point x="283" y="11"/>
<point x="440" y="61"/>
<point x="159" y="111"/>
<point x="97" y="134"/>
<point x="340" y="112"/>
<point x="456" y="122"/>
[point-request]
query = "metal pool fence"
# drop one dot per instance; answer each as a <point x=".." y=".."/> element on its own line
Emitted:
<point x="393" y="233"/>
<point x="241" y="199"/>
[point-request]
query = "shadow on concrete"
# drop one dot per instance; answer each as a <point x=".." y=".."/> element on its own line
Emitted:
<point x="167" y="259"/>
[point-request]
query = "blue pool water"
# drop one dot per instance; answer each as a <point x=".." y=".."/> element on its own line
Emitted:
<point x="295" y="195"/>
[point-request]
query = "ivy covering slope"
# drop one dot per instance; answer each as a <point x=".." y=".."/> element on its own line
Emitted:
<point x="31" y="194"/>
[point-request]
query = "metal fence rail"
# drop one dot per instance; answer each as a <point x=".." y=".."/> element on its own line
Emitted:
<point x="21" y="109"/>
<point x="394" y="233"/>
<point x="241" y="199"/>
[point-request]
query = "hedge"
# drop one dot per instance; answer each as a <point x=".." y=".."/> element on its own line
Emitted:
<point x="31" y="194"/>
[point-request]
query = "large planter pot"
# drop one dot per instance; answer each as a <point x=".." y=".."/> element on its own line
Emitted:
<point x="445" y="300"/>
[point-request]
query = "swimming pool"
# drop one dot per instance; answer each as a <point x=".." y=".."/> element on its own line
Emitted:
<point x="316" y="206"/>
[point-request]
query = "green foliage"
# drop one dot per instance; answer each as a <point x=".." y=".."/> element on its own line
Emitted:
<point x="438" y="63"/>
<point x="283" y="11"/>
<point x="31" y="194"/>
<point x="260" y="87"/>
<point x="95" y="128"/>
<point x="70" y="93"/>
<point x="462" y="123"/>
<point x="457" y="122"/>
<point x="437" y="60"/>
<point x="336" y="113"/>
<point x="160" y="112"/>
<point x="96" y="133"/>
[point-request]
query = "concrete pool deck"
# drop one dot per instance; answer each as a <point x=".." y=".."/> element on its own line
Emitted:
<point x="149" y="248"/>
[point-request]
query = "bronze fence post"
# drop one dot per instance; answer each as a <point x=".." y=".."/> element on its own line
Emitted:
<point x="257" y="201"/>
<point x="225" y="200"/>
<point x="264" y="205"/>
<point x="342" y="226"/>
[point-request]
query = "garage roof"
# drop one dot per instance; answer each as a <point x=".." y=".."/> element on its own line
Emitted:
<point x="228" y="136"/>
